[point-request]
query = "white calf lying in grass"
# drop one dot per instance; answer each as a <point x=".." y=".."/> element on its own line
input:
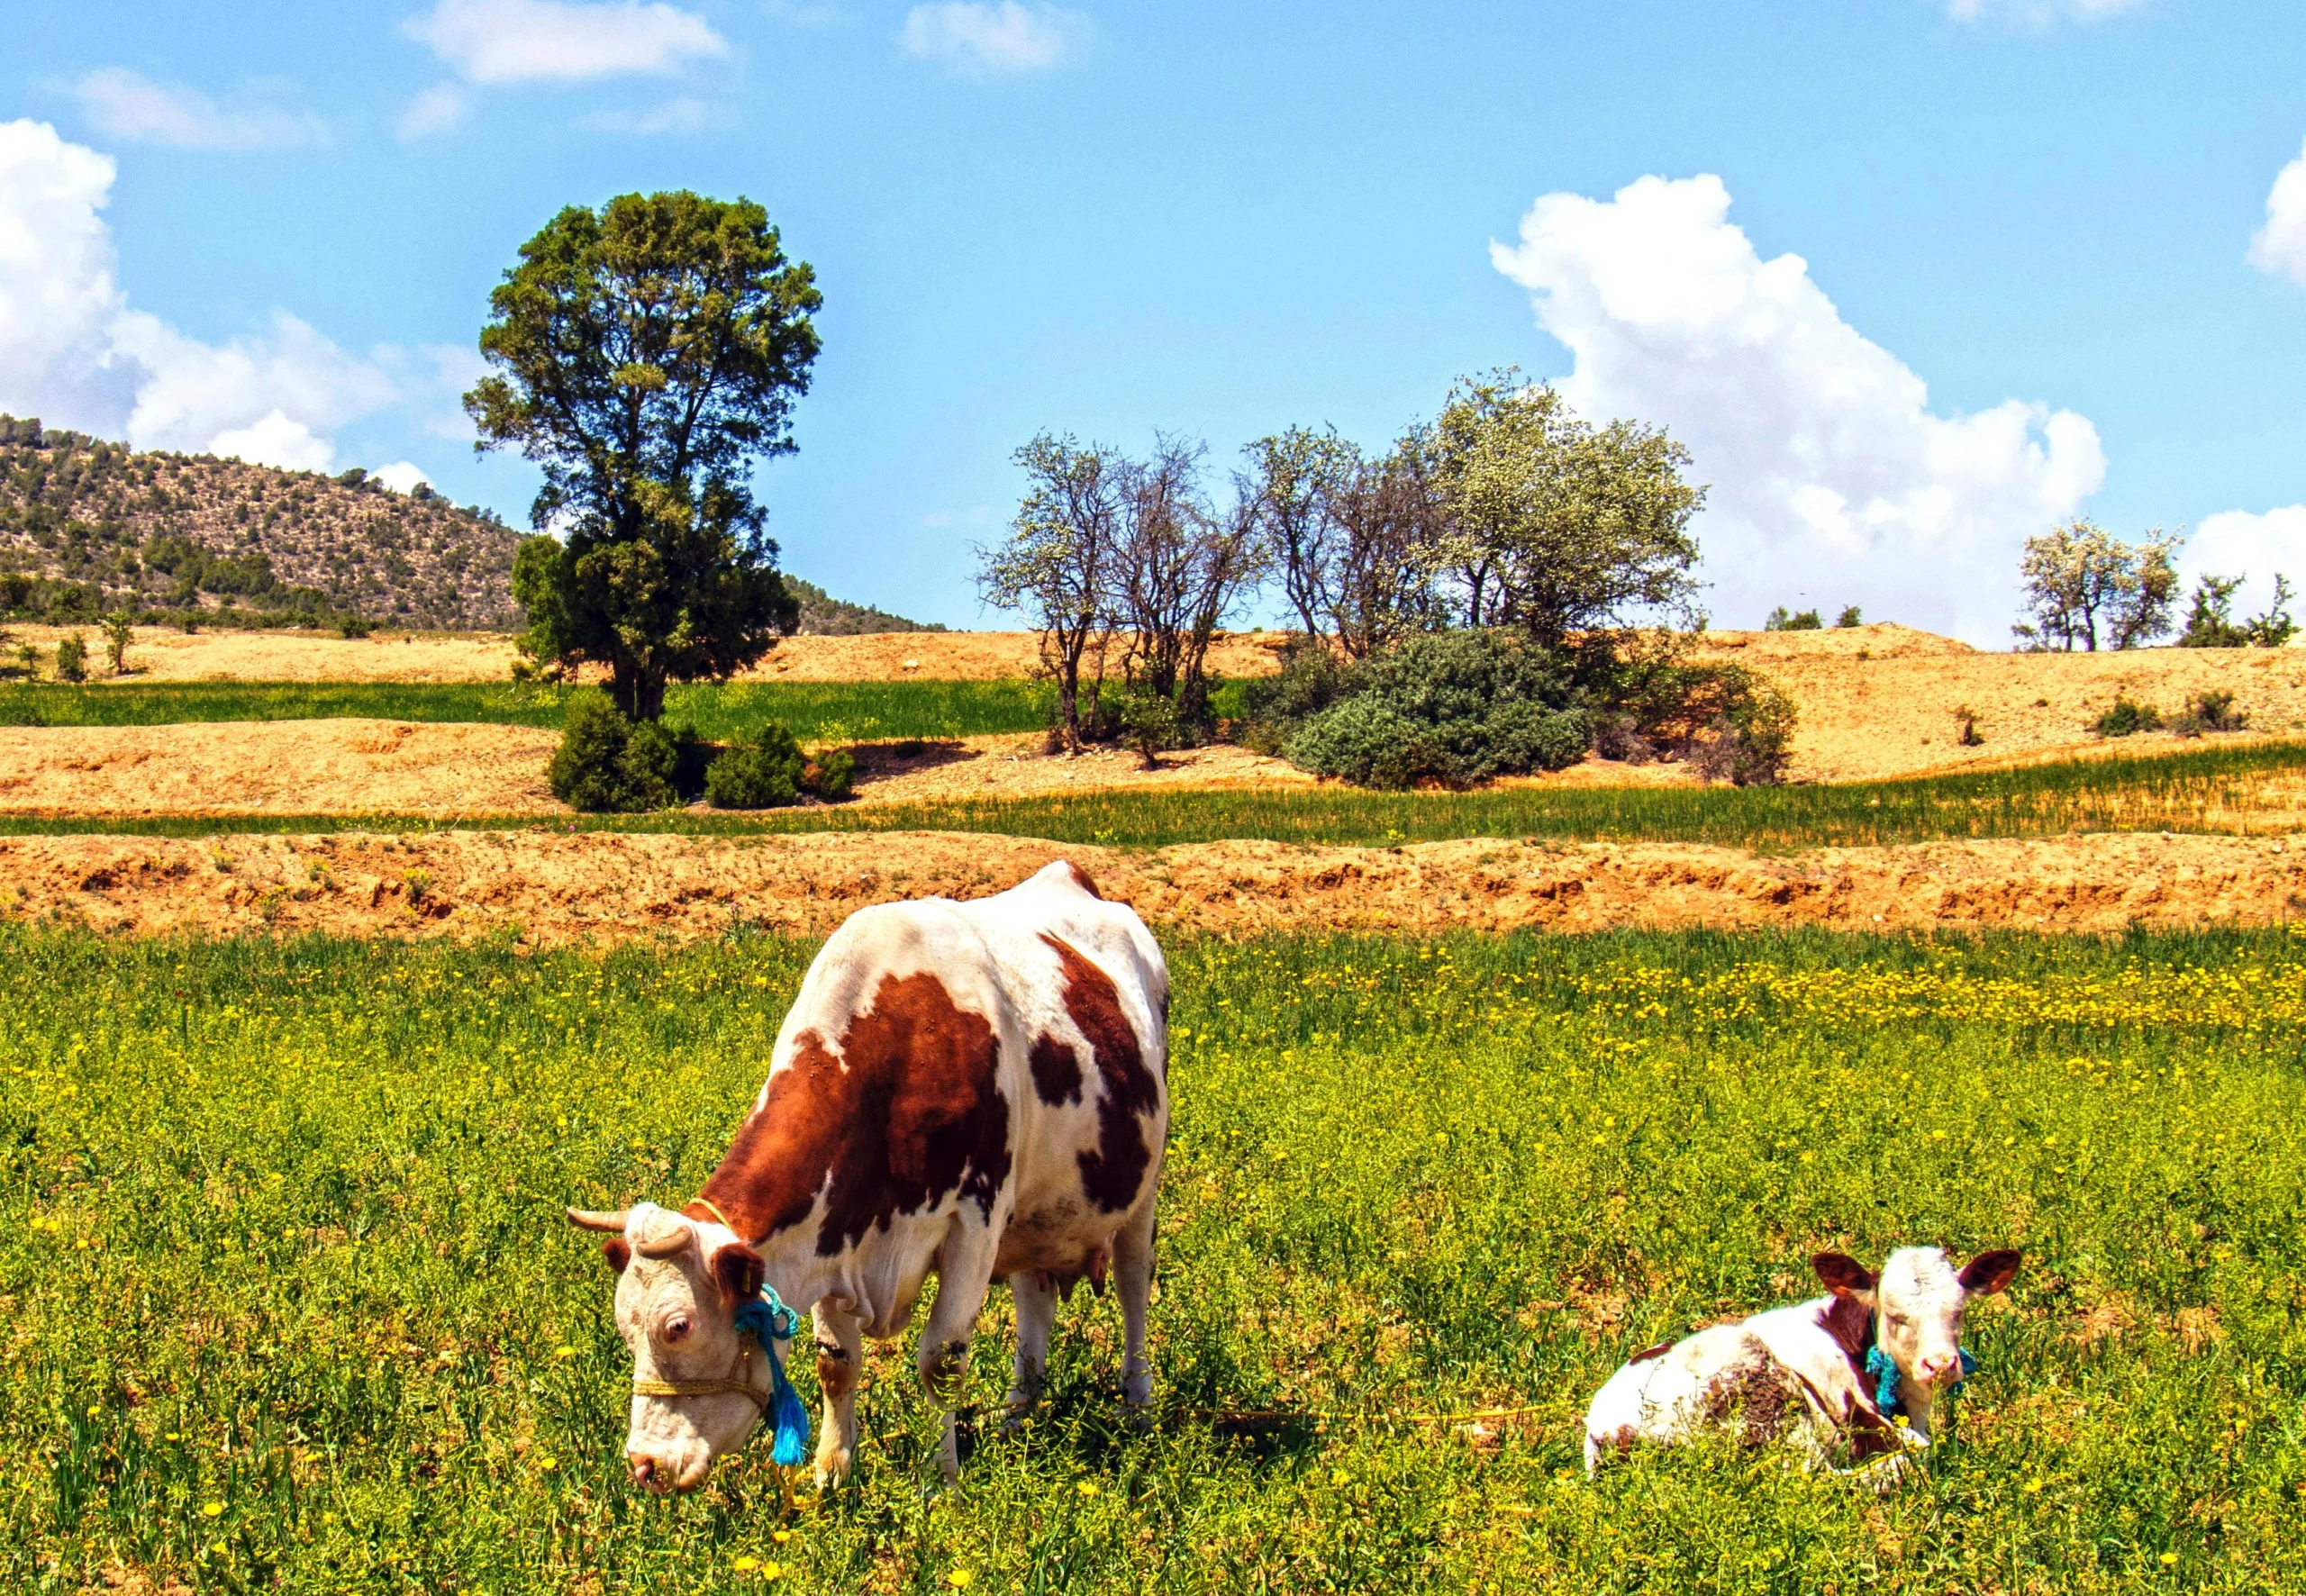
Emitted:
<point x="1834" y="1374"/>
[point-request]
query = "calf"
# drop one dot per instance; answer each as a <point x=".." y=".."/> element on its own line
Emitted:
<point x="974" y="1089"/>
<point x="1817" y="1373"/>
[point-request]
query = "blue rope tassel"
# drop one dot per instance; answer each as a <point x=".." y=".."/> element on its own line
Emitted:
<point x="771" y="1321"/>
<point x="1885" y="1370"/>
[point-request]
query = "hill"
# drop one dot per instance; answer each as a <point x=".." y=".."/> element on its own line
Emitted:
<point x="825" y="616"/>
<point x="88" y="526"/>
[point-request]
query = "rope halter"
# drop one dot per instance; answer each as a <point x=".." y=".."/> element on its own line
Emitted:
<point x="738" y="1382"/>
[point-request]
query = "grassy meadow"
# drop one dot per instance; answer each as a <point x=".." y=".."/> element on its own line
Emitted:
<point x="721" y="712"/>
<point x="2245" y="789"/>
<point x="290" y="1307"/>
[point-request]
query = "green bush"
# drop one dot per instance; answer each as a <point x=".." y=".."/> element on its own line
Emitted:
<point x="606" y="764"/>
<point x="2125" y="718"/>
<point x="1784" y="619"/>
<point x="1459" y="707"/>
<point x="1312" y="678"/>
<point x="1149" y="723"/>
<point x="72" y="658"/>
<point x="764" y="774"/>
<point x="832" y="775"/>
<point x="2211" y="711"/>
<point x="1750" y="736"/>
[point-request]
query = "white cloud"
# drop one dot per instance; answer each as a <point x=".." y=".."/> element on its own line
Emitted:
<point x="2280" y="246"/>
<point x="75" y="353"/>
<point x="681" y="115"/>
<point x="402" y="475"/>
<point x="436" y="110"/>
<point x="2039" y="14"/>
<point x="1832" y="482"/>
<point x="131" y="106"/>
<point x="2254" y="546"/>
<point x="273" y="439"/>
<point x="1008" y="37"/>
<point x="561" y="40"/>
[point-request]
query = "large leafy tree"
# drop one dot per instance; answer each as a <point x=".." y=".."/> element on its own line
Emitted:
<point x="647" y="355"/>
<point x="2084" y="586"/>
<point x="1553" y="524"/>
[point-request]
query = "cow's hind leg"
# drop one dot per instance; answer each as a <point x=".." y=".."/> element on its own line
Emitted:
<point x="963" y="1276"/>
<point x="1134" y="1281"/>
<point x="1036" y="1300"/>
<point x="841" y="1364"/>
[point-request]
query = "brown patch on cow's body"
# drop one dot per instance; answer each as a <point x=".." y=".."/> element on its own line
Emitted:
<point x="1113" y="1172"/>
<point x="909" y="1111"/>
<point x="1754" y="1396"/>
<point x="1647" y="1353"/>
<point x="835" y="1376"/>
<point x="1057" y="1070"/>
<point x="1081" y="879"/>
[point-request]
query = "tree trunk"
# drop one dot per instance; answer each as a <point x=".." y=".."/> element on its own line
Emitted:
<point x="639" y="692"/>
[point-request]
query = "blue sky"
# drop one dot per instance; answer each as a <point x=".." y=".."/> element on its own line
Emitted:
<point x="2051" y="253"/>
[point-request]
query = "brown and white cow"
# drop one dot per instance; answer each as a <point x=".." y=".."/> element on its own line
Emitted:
<point x="977" y="1089"/>
<point x="1801" y="1373"/>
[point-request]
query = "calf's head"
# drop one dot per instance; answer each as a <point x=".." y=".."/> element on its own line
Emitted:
<point x="1917" y="1301"/>
<point x="675" y="1308"/>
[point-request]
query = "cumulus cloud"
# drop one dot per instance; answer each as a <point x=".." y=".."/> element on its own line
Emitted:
<point x="73" y="352"/>
<point x="435" y="109"/>
<point x="2039" y="14"/>
<point x="1004" y="38"/>
<point x="496" y="42"/>
<point x="130" y="107"/>
<point x="2252" y="546"/>
<point x="2280" y="246"/>
<point x="402" y="475"/>
<point x="1832" y="481"/>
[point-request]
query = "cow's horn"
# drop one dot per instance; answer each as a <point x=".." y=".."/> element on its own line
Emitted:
<point x="662" y="1236"/>
<point x="589" y="1218"/>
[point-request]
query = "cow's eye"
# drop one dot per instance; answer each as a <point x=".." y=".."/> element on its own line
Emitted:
<point x="675" y="1328"/>
<point x="1900" y="1320"/>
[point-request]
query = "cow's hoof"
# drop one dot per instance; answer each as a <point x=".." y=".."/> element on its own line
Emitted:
<point x="833" y="1469"/>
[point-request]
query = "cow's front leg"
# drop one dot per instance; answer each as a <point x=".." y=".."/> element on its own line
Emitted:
<point x="1036" y="1300"/>
<point x="841" y="1364"/>
<point x="1133" y="1283"/>
<point x="944" y="1355"/>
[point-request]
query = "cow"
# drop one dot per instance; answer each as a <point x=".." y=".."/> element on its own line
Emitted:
<point x="1811" y="1372"/>
<point x="977" y="1088"/>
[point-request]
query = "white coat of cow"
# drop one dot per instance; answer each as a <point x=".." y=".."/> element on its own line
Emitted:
<point x="1800" y="1372"/>
<point x="977" y="1089"/>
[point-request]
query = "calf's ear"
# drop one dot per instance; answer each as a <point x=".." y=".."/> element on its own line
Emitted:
<point x="737" y="1270"/>
<point x="1842" y="1273"/>
<point x="1989" y="1272"/>
<point x="617" y="1252"/>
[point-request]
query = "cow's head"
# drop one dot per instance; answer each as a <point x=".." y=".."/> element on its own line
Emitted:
<point x="1917" y="1301"/>
<point x="675" y="1308"/>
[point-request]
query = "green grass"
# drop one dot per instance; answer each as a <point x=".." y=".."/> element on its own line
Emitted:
<point x="865" y="710"/>
<point x="300" y="1313"/>
<point x="2216" y="790"/>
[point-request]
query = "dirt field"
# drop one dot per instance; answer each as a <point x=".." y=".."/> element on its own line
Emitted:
<point x="348" y="766"/>
<point x="556" y="888"/>
<point x="1879" y="700"/>
<point x="160" y="655"/>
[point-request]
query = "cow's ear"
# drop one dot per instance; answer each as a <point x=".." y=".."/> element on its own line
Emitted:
<point x="617" y="1252"/>
<point x="1842" y="1273"/>
<point x="738" y="1270"/>
<point x="1989" y="1272"/>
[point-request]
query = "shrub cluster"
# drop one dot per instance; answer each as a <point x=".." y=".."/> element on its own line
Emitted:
<point x="608" y="765"/>
<point x="1457" y="707"/>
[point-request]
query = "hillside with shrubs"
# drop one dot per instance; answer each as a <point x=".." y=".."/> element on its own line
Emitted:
<point x="89" y="527"/>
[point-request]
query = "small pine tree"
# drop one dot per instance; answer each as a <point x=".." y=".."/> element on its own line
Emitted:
<point x="72" y="658"/>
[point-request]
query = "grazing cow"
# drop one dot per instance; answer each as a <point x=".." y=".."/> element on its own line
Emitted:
<point x="1815" y="1373"/>
<point x="977" y="1089"/>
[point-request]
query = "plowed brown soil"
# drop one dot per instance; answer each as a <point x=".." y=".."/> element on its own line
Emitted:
<point x="557" y="888"/>
<point x="350" y="767"/>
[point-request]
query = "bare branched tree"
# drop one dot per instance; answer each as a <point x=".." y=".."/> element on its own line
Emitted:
<point x="1300" y="475"/>
<point x="1056" y="566"/>
<point x="1182" y="567"/>
<point x="1387" y="512"/>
